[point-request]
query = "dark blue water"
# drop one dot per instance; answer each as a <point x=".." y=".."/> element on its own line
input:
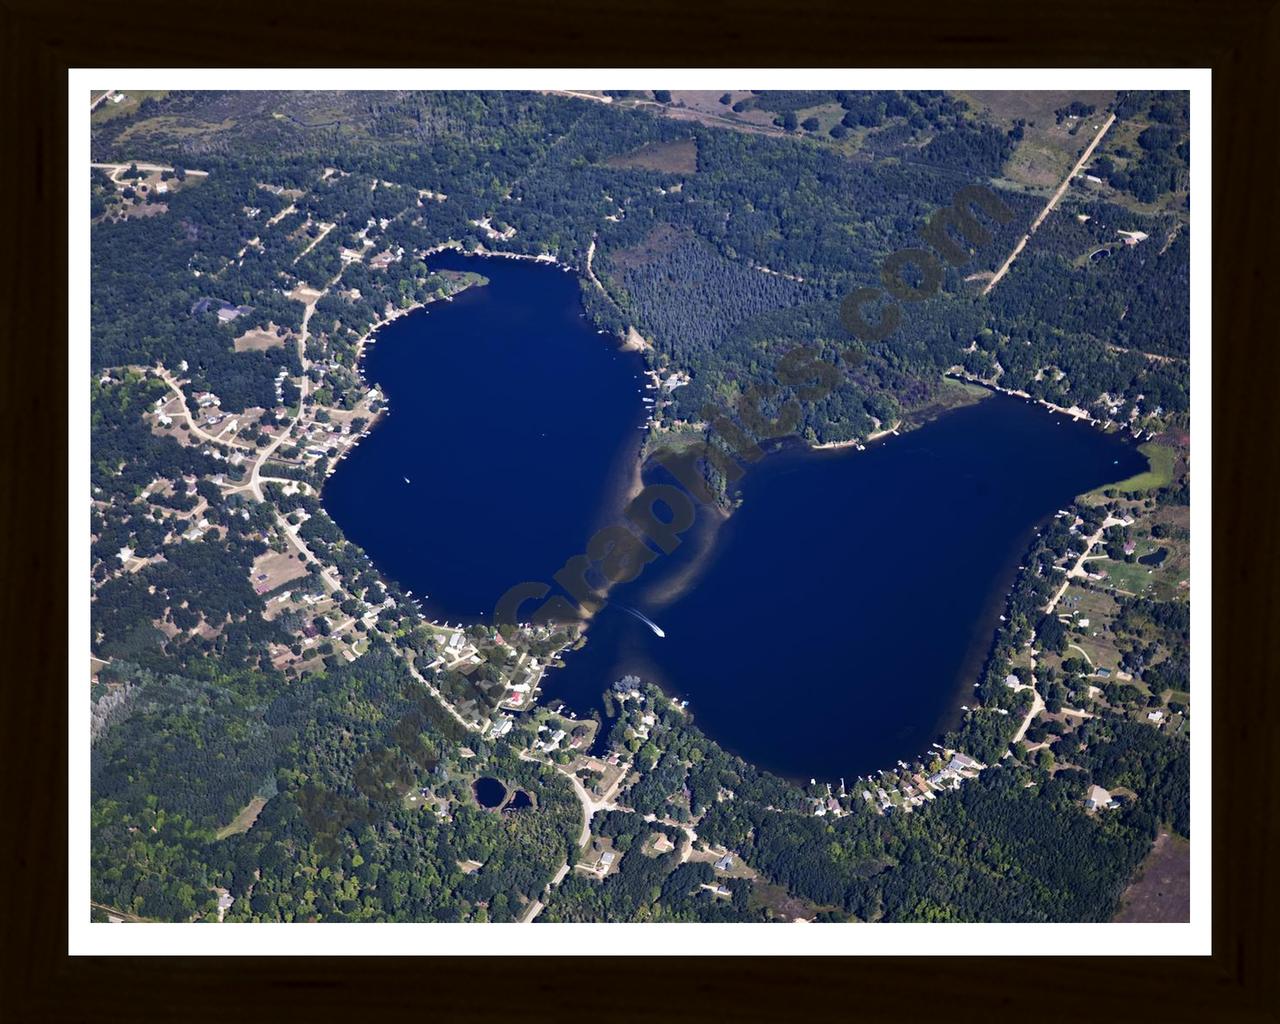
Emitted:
<point x="516" y="425"/>
<point x="830" y="627"/>
<point x="489" y="792"/>
<point x="839" y="618"/>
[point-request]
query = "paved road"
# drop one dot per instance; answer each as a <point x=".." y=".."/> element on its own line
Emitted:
<point x="191" y="422"/>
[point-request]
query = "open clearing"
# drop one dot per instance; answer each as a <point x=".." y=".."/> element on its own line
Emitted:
<point x="259" y="340"/>
<point x="244" y="820"/>
<point x="1161" y="891"/>
<point x="109" y="108"/>
<point x="679" y="157"/>
<point x="1047" y="149"/>
<point x="278" y="568"/>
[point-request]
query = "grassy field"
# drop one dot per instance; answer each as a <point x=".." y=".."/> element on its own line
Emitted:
<point x="1048" y="149"/>
<point x="677" y="157"/>
<point x="107" y="110"/>
<point x="244" y="820"/>
<point x="1099" y="609"/>
<point x="278" y="567"/>
<point x="1159" y="472"/>
<point x="1128" y="577"/>
<point x="258" y="340"/>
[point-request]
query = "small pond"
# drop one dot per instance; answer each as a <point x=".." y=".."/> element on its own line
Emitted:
<point x="1155" y="557"/>
<point x="519" y="801"/>
<point x="489" y="792"/>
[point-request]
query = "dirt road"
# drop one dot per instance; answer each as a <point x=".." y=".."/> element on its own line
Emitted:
<point x="1053" y="201"/>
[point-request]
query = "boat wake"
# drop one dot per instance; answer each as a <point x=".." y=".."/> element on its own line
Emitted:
<point x="645" y="619"/>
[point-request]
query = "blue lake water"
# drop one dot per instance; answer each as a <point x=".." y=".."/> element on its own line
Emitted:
<point x="515" y="424"/>
<point x="828" y="628"/>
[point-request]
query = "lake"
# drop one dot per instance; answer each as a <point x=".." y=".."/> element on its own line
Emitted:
<point x="514" y="423"/>
<point x="831" y="626"/>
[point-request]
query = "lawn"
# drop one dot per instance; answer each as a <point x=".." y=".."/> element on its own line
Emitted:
<point x="108" y="110"/>
<point x="1129" y="577"/>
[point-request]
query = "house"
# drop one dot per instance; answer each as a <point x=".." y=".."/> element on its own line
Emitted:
<point x="1102" y="673"/>
<point x="1098" y="799"/>
<point x="725" y="863"/>
<point x="501" y="727"/>
<point x="228" y="312"/>
<point x="1155" y="716"/>
<point x="606" y="859"/>
<point x="1012" y="681"/>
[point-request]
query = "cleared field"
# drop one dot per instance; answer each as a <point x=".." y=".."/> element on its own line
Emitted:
<point x="680" y="157"/>
<point x="274" y="569"/>
<point x="1128" y="577"/>
<point x="1047" y="149"/>
<point x="1161" y="890"/>
<point x="259" y="340"/>
<point x="108" y="110"/>
<point x="1099" y="608"/>
<point x="244" y="820"/>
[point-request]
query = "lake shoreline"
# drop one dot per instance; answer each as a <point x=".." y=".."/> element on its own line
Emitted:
<point x="704" y="552"/>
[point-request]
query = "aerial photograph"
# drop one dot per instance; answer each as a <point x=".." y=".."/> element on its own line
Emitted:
<point x="563" y="506"/>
